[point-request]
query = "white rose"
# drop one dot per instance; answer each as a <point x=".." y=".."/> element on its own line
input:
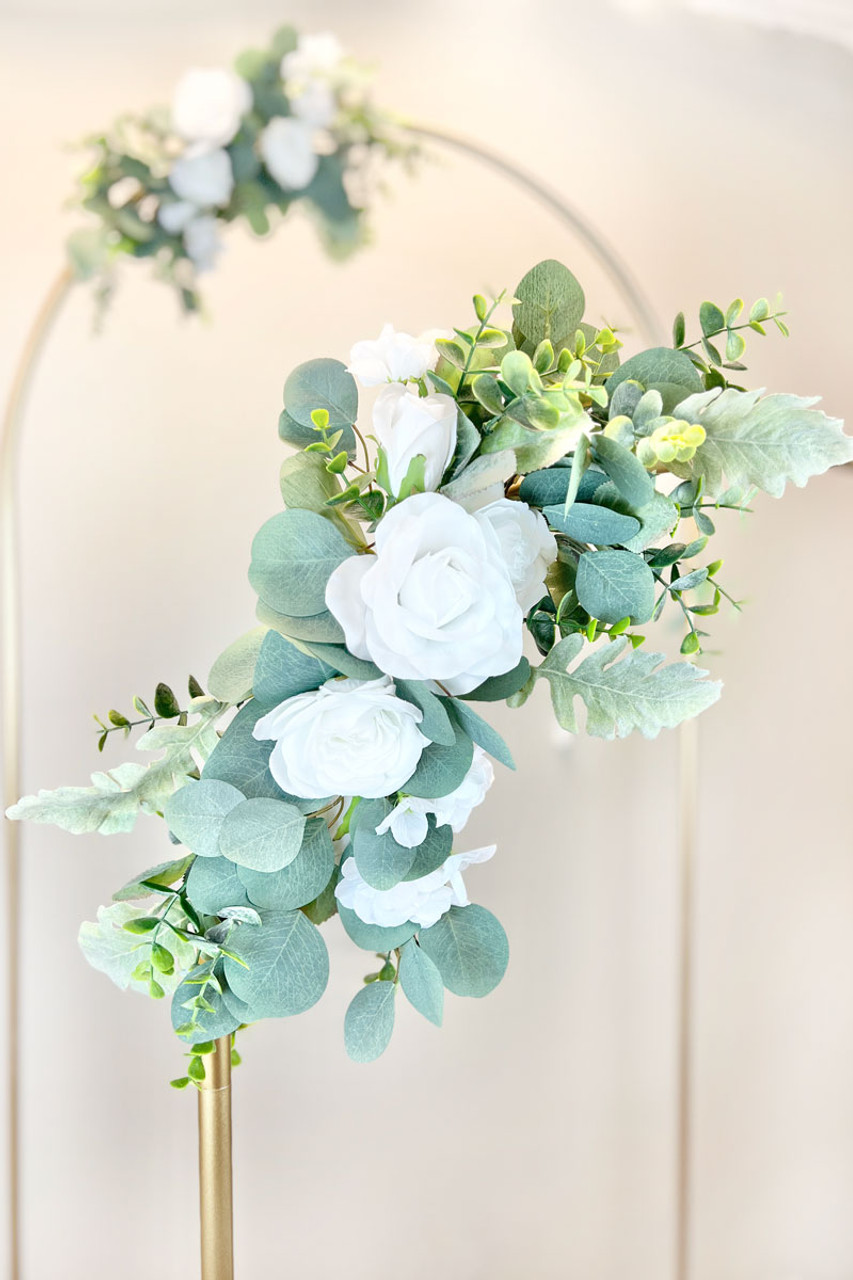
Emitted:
<point x="528" y="546"/>
<point x="394" y="357"/>
<point x="287" y="147"/>
<point x="407" y="821"/>
<point x="353" y="735"/>
<point x="319" y="55"/>
<point x="315" y="105"/>
<point x="406" y="425"/>
<point x="422" y="901"/>
<point x="203" y="177"/>
<point x="436" y="602"/>
<point x="209" y="104"/>
<point x="202" y="241"/>
<point x="176" y="215"/>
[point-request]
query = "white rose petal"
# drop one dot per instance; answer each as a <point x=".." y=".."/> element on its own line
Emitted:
<point x="203" y="178"/>
<point x="202" y="241"/>
<point x="394" y="357"/>
<point x="406" y="425"/>
<point x="352" y="734"/>
<point x="287" y="147"/>
<point x="423" y="901"/>
<point x="528" y="546"/>
<point x="209" y="104"/>
<point x="407" y="821"/>
<point x="436" y="602"/>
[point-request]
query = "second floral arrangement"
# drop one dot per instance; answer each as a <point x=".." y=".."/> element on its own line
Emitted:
<point x="516" y="478"/>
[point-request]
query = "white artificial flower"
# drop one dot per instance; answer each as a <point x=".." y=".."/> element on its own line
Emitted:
<point x="174" y="216"/>
<point x="111" y="949"/>
<point x="435" y="602"/>
<point x="528" y="546"/>
<point x="355" y="734"/>
<point x="407" y="821"/>
<point x="423" y="901"/>
<point x="394" y="357"/>
<point x="316" y="104"/>
<point x="203" y="177"/>
<point x="209" y="104"/>
<point x="319" y="55"/>
<point x="202" y="241"/>
<point x="287" y="147"/>
<point x="407" y="425"/>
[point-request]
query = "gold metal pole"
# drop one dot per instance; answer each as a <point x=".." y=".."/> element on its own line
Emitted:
<point x="10" y="690"/>
<point x="688" y="750"/>
<point x="214" y="1165"/>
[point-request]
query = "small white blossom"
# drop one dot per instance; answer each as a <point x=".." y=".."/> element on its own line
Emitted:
<point x="394" y="357"/>
<point x="287" y="148"/>
<point x="423" y="901"/>
<point x="407" y="821"/>
<point x="407" y="425"/>
<point x="316" y="105"/>
<point x="203" y="177"/>
<point x="208" y="105"/>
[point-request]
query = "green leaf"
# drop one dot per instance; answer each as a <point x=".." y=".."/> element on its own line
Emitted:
<point x="210" y="1025"/>
<point x="293" y="432"/>
<point x="580" y="462"/>
<point x="165" y="702"/>
<point x="711" y="319"/>
<point x="436" y="723"/>
<point x="369" y="1021"/>
<point x="373" y="937"/>
<point x="242" y="760"/>
<point x="282" y="671"/>
<point x="325" y="905"/>
<point x="549" y="487"/>
<point x="110" y="948"/>
<point x="441" y="769"/>
<point x="481" y="732"/>
<point x="421" y="983"/>
<point x="320" y="627"/>
<point x="230" y="678"/>
<point x="496" y="688"/>
<point x="488" y="472"/>
<point x="165" y="874"/>
<point x="550" y="305"/>
<point x="307" y="485"/>
<point x="625" y="470"/>
<point x="621" y="696"/>
<point x="340" y="661"/>
<point x="288" y="965"/>
<point x="293" y="556"/>
<point x="262" y="834"/>
<point x="763" y="441"/>
<point x="299" y="883"/>
<point x="433" y="850"/>
<point x="322" y="384"/>
<point x="587" y="522"/>
<point x="612" y="585"/>
<point x="469" y="948"/>
<point x="672" y="373"/>
<point x="488" y="393"/>
<point x="381" y="861"/>
<point x="213" y="883"/>
<point x="196" y="812"/>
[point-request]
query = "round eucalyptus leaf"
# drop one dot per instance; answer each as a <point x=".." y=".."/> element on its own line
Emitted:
<point x="469" y="948"/>
<point x="293" y="556"/>
<point x="421" y="982"/>
<point x="373" y="937"/>
<point x="369" y="1021"/>
<point x="299" y="883"/>
<point x="195" y="814"/>
<point x="221" y="1022"/>
<point x="612" y="585"/>
<point x="212" y="884"/>
<point x="286" y="965"/>
<point x="321" y="384"/>
<point x="263" y="835"/>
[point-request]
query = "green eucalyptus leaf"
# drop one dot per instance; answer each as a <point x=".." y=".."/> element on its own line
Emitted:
<point x="373" y="937"/>
<point x="285" y="965"/>
<point x="211" y="1024"/>
<point x="421" y="982"/>
<point x="321" y="628"/>
<point x="230" y="678"/>
<point x="433" y="851"/>
<point x="262" y="834"/>
<point x="322" y="384"/>
<point x="195" y="814"/>
<point x="436" y="723"/>
<point x="672" y="373"/>
<point x="625" y="470"/>
<point x="441" y="769"/>
<point x="469" y="948"/>
<point x="497" y="688"/>
<point x="612" y="585"/>
<point x="213" y="883"/>
<point x="282" y="671"/>
<point x="369" y="1021"/>
<point x="164" y="875"/>
<point x="381" y="861"/>
<point x="293" y="556"/>
<point x="587" y="522"/>
<point x="481" y="732"/>
<point x="549" y="305"/>
<point x="299" y="883"/>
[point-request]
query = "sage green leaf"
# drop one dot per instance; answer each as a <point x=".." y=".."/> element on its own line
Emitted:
<point x="763" y="441"/>
<point x="369" y="1021"/>
<point x="321" y="627"/>
<point x="292" y="432"/>
<point x="243" y="760"/>
<point x="421" y="982"/>
<point x="625" y="470"/>
<point x="496" y="688"/>
<point x="621" y="696"/>
<point x="549" y="447"/>
<point x="672" y="373"/>
<point x="441" y="769"/>
<point x="550" y="487"/>
<point x="165" y="874"/>
<point x="325" y="905"/>
<point x="210" y="1026"/>
<point x="467" y="443"/>
<point x="381" y="861"/>
<point x="195" y="814"/>
<point x="549" y="304"/>
<point x="657" y="519"/>
<point x="341" y="661"/>
<point x="262" y="834"/>
<point x="481" y="732"/>
<point x="111" y="949"/>
<point x="469" y="948"/>
<point x="436" y="723"/>
<point x="322" y="384"/>
<point x="432" y="851"/>
<point x="299" y="883"/>
<point x="488" y="472"/>
<point x="307" y="485"/>
<point x="288" y="965"/>
<point x="588" y="522"/>
<point x="213" y="883"/>
<point x="612" y="585"/>
<point x="293" y="556"/>
<point x="230" y="678"/>
<point x="282" y="671"/>
<point x="373" y="937"/>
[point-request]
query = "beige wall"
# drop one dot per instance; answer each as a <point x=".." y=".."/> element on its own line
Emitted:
<point x="533" y="1136"/>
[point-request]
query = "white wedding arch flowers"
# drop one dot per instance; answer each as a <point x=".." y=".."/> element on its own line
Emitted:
<point x="527" y="489"/>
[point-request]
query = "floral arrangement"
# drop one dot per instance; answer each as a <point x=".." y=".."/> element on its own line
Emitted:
<point x="291" y="124"/>
<point x="522" y="477"/>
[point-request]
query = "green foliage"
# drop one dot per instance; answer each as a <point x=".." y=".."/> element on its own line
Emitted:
<point x="436" y="724"/>
<point x="213" y="884"/>
<point x="282" y="671"/>
<point x="481" y="732"/>
<point x="369" y="1021"/>
<point x="469" y="948"/>
<point x="441" y="768"/>
<point x="549" y="307"/>
<point x="498" y="688"/>
<point x="381" y="861"/>
<point x="243" y="761"/>
<point x="202" y="1024"/>
<point x="373" y="937"/>
<point x="262" y="834"/>
<point x="612" y="585"/>
<point x="159" y="877"/>
<point x="323" y="384"/>
<point x="293" y="556"/>
<point x="230" y="678"/>
<point x="625" y="470"/>
<point x="299" y="883"/>
<point x="432" y="852"/>
<point x="285" y="965"/>
<point x="421" y="982"/>
<point x="595" y="524"/>
<point x="672" y="373"/>
<point x="195" y="814"/>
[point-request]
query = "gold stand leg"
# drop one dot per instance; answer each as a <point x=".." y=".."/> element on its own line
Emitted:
<point x="214" y="1165"/>
<point x="689" y="787"/>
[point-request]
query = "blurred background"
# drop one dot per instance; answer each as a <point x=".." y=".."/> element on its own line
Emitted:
<point x="534" y="1136"/>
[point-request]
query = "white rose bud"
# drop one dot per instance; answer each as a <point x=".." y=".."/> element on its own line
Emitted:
<point x="208" y="105"/>
<point x="203" y="178"/>
<point x="287" y="147"/>
<point x="406" y="425"/>
<point x="528" y="546"/>
<point x="394" y="357"/>
<point x="435" y="602"/>
<point x="422" y="901"/>
<point x="352" y="734"/>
